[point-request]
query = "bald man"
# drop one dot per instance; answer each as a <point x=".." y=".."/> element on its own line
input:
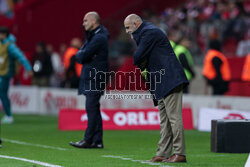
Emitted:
<point x="155" y="54"/>
<point x="93" y="55"/>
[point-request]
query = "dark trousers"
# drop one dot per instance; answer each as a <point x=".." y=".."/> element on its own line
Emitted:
<point x="94" y="132"/>
<point x="186" y="89"/>
<point x="4" y="87"/>
<point x="220" y="88"/>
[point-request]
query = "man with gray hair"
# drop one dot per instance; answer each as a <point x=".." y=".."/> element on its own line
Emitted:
<point x="94" y="57"/>
<point x="154" y="54"/>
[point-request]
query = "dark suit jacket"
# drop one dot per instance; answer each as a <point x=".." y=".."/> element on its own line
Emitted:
<point x="157" y="56"/>
<point x="94" y="57"/>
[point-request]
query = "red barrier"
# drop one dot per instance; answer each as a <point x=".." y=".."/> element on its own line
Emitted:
<point x="119" y="119"/>
<point x="237" y="87"/>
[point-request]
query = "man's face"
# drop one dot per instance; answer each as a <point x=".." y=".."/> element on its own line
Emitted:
<point x="88" y="22"/>
<point x="186" y="43"/>
<point x="130" y="26"/>
<point x="2" y="36"/>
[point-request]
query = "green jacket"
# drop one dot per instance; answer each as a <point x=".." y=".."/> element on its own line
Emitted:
<point x="179" y="49"/>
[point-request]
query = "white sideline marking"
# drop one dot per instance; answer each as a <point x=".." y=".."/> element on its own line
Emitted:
<point x="208" y="155"/>
<point x="134" y="160"/>
<point x="36" y="145"/>
<point x="31" y="161"/>
<point x="248" y="162"/>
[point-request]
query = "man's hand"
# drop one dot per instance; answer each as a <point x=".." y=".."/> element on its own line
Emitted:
<point x="143" y="65"/>
<point x="144" y="74"/>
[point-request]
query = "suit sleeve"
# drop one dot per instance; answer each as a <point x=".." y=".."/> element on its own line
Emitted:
<point x="88" y="50"/>
<point x="146" y="44"/>
<point x="185" y="64"/>
<point x="18" y="54"/>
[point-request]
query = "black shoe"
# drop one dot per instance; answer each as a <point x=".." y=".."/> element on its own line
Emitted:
<point x="0" y="143"/>
<point x="94" y="145"/>
<point x="80" y="144"/>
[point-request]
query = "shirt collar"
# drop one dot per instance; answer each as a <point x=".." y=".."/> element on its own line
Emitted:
<point x="90" y="34"/>
<point x="139" y="29"/>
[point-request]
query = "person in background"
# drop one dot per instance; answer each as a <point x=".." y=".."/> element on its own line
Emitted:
<point x="9" y="55"/>
<point x="246" y="69"/>
<point x="185" y="58"/>
<point x="243" y="47"/>
<point x="7" y="8"/>
<point x="58" y="70"/>
<point x="71" y="66"/>
<point x="94" y="57"/>
<point x="216" y="69"/>
<point x="62" y="50"/>
<point x="42" y="66"/>
<point x="174" y="37"/>
<point x="155" y="54"/>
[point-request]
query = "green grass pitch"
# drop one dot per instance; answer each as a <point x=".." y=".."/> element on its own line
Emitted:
<point x="38" y="138"/>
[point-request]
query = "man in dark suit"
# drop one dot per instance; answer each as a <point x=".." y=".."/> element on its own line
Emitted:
<point x="155" y="54"/>
<point x="94" y="57"/>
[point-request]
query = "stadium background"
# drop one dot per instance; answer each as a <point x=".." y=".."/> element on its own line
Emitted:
<point x="56" y="22"/>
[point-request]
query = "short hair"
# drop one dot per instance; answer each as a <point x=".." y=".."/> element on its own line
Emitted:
<point x="215" y="44"/>
<point x="95" y="15"/>
<point x="4" y="30"/>
<point x="134" y="17"/>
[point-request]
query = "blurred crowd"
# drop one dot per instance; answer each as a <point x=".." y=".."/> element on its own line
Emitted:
<point x="204" y="20"/>
<point x="201" y="21"/>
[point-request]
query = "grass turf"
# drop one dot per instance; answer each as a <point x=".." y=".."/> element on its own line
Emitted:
<point x="136" y="145"/>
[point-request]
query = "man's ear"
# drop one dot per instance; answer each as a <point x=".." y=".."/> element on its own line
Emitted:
<point x="135" y="24"/>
